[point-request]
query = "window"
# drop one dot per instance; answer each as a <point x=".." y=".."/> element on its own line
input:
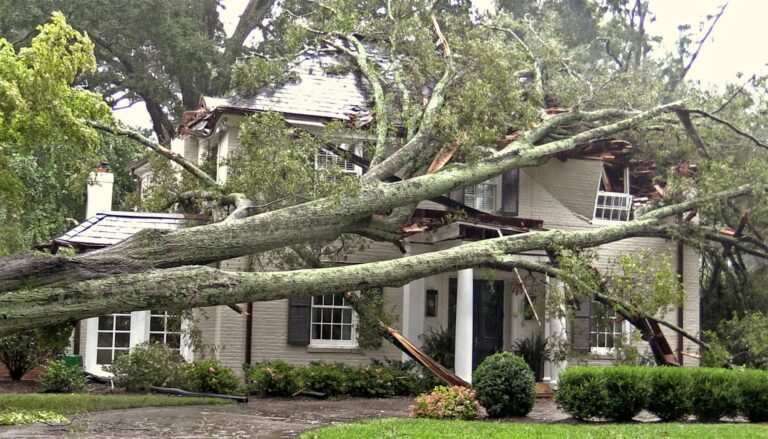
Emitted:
<point x="165" y="328"/>
<point x="114" y="337"/>
<point x="481" y="196"/>
<point x="334" y="323"/>
<point x="606" y="328"/>
<point x="325" y="159"/>
<point x="613" y="206"/>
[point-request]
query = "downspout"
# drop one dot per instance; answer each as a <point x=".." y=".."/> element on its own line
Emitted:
<point x="248" y="332"/>
<point x="680" y="314"/>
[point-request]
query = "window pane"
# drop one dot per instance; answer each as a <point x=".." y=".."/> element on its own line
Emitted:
<point x="104" y="356"/>
<point x="105" y="340"/>
<point x="173" y="341"/>
<point x="336" y="332"/>
<point x="326" y="316"/>
<point x="347" y="316"/>
<point x="316" y="332"/>
<point x="326" y="332"/>
<point x="346" y="333"/>
<point x="317" y="315"/>
<point x="105" y="322"/>
<point x="122" y="339"/>
<point x="156" y="338"/>
<point x="156" y="324"/>
<point x="337" y="315"/>
<point x="123" y="323"/>
<point x="173" y="324"/>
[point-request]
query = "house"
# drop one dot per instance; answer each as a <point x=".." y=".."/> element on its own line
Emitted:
<point x="487" y="310"/>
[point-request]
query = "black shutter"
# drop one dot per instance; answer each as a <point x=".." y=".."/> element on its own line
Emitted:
<point x="299" y="309"/>
<point x="457" y="195"/>
<point x="580" y="337"/>
<point x="510" y="184"/>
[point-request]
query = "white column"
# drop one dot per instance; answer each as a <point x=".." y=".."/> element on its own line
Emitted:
<point x="413" y="312"/>
<point x="464" y="313"/>
<point x="90" y="326"/>
<point x="139" y="328"/>
<point x="555" y="329"/>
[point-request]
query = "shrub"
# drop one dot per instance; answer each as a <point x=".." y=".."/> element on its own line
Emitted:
<point x="754" y="393"/>
<point x="272" y="378"/>
<point x="60" y="377"/>
<point x="581" y="392"/>
<point x="626" y="392"/>
<point x="28" y="349"/>
<point x="715" y="394"/>
<point x="147" y="365"/>
<point x="669" y="392"/>
<point x="374" y="381"/>
<point x="505" y="385"/>
<point x="447" y="403"/>
<point x="439" y="344"/>
<point x="207" y="376"/>
<point x="534" y="351"/>
<point x="330" y="379"/>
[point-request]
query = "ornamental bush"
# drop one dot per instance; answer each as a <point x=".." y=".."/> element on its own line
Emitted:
<point x="272" y="378"/>
<point x="505" y="385"/>
<point x="753" y="385"/>
<point x="581" y="392"/>
<point x="443" y="402"/>
<point x="208" y="376"/>
<point x="372" y="381"/>
<point x="145" y="366"/>
<point x="715" y="393"/>
<point x="60" y="377"/>
<point x="330" y="379"/>
<point x="626" y="392"/>
<point x="669" y="392"/>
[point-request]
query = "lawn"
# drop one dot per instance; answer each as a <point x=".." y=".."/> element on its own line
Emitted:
<point x="40" y="407"/>
<point x="430" y="429"/>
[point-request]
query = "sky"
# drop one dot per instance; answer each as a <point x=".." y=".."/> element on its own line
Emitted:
<point x="735" y="46"/>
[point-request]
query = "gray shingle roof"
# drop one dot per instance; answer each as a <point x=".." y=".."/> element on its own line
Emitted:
<point x="314" y="92"/>
<point x="108" y="228"/>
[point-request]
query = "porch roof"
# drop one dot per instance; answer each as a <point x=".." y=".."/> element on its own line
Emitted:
<point x="109" y="228"/>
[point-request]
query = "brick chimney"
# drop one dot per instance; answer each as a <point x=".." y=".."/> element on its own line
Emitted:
<point x="100" y="183"/>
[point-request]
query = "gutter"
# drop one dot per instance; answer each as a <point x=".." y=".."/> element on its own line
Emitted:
<point x="680" y="311"/>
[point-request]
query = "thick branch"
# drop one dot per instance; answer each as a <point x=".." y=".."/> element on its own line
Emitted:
<point x="160" y="149"/>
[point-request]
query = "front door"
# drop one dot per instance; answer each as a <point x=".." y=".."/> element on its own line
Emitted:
<point x="487" y="319"/>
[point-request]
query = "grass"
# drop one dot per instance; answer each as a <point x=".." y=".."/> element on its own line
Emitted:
<point x="74" y="403"/>
<point x="431" y="429"/>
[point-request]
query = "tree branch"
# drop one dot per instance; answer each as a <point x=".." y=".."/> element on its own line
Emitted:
<point x="730" y="126"/>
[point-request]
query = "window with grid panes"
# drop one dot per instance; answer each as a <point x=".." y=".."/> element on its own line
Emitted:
<point x="165" y="328"/>
<point x="325" y="159"/>
<point x="481" y="196"/>
<point x="606" y="328"/>
<point x="114" y="337"/>
<point x="333" y="323"/>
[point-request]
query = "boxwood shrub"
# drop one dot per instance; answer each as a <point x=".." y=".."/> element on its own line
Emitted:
<point x="505" y="385"/>
<point x="271" y="378"/>
<point x="619" y="393"/>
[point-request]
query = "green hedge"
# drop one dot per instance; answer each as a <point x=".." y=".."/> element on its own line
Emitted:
<point x="620" y="393"/>
<point x="377" y="380"/>
<point x="505" y="385"/>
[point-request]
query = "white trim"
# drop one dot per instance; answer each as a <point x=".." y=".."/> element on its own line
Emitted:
<point x="352" y="343"/>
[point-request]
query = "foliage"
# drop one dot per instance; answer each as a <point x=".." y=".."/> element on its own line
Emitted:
<point x="753" y="386"/>
<point x="534" y="351"/>
<point x="145" y="366"/>
<point x="330" y="379"/>
<point x="271" y="378"/>
<point x="669" y="393"/>
<point x="208" y="376"/>
<point x="60" y="377"/>
<point x="75" y="403"/>
<point x="439" y="344"/>
<point x="26" y="350"/>
<point x="715" y="394"/>
<point x="626" y="392"/>
<point x="31" y="417"/>
<point x="373" y="381"/>
<point x="443" y="402"/>
<point x="439" y="429"/>
<point x="505" y="385"/>
<point x="741" y="341"/>
<point x="581" y="392"/>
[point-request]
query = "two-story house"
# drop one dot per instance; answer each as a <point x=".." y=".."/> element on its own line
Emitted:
<point x="486" y="309"/>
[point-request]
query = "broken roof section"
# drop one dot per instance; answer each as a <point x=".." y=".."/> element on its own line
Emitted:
<point x="321" y="87"/>
<point x="109" y="228"/>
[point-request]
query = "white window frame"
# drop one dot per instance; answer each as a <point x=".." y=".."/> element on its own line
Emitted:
<point x="616" y="207"/>
<point x="352" y="343"/>
<point x="496" y="183"/>
<point x="165" y="315"/>
<point x="346" y="165"/>
<point x="114" y="332"/>
<point x="619" y="330"/>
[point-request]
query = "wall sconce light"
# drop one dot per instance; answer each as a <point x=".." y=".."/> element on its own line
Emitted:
<point x="430" y="309"/>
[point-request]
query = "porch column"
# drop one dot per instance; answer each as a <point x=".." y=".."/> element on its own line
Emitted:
<point x="413" y="312"/>
<point x="464" y="313"/>
<point x="555" y="331"/>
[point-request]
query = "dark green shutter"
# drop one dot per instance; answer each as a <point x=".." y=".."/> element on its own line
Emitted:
<point x="299" y="313"/>
<point x="510" y="184"/>
<point x="580" y="338"/>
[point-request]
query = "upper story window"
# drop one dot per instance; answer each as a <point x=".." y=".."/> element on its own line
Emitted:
<point x="498" y="195"/>
<point x="325" y="159"/>
<point x="482" y="196"/>
<point x="334" y="322"/>
<point x="613" y="201"/>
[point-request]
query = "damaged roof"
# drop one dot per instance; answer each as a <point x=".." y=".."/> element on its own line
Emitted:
<point x="109" y="228"/>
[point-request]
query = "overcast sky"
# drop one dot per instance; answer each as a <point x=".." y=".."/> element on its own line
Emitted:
<point x="736" y="45"/>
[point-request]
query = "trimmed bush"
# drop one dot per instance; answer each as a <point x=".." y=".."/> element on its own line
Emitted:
<point x="447" y="403"/>
<point x="147" y="365"/>
<point x="208" y="376"/>
<point x="272" y="378"/>
<point x="753" y="385"/>
<point x="715" y="394"/>
<point x="505" y="385"/>
<point x="626" y="392"/>
<point x="60" y="377"/>
<point x="581" y="392"/>
<point x="330" y="379"/>
<point x="373" y="381"/>
<point x="669" y="395"/>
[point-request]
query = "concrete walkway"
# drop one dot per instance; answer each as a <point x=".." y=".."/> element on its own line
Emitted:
<point x="261" y="418"/>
